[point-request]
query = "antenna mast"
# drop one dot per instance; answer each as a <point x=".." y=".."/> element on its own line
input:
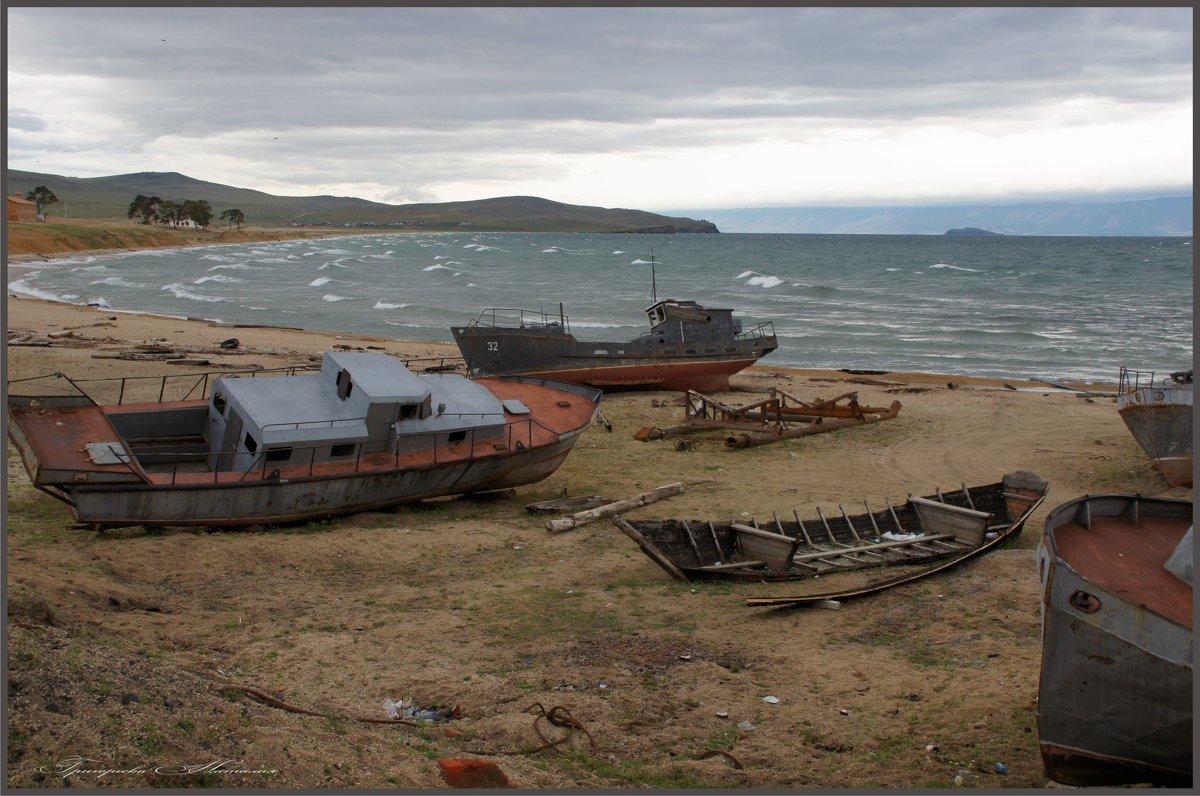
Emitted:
<point x="653" y="284"/>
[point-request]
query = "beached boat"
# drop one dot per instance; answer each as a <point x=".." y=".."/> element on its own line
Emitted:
<point x="1115" y="696"/>
<point x="363" y="433"/>
<point x="688" y="347"/>
<point x="1159" y="415"/>
<point x="941" y="529"/>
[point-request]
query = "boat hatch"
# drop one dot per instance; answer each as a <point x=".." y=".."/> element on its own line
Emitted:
<point x="515" y="407"/>
<point x="107" y="452"/>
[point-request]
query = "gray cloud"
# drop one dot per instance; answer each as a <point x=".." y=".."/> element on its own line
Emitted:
<point x="422" y="88"/>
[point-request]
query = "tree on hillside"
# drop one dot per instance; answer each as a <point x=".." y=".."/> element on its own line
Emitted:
<point x="145" y="206"/>
<point x="233" y="216"/>
<point x="198" y="211"/>
<point x="170" y="212"/>
<point x="43" y="197"/>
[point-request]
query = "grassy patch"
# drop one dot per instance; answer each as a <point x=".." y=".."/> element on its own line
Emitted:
<point x="633" y="773"/>
<point x="539" y="614"/>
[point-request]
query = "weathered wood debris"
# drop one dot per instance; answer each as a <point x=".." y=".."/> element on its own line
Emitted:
<point x="591" y="515"/>
<point x="781" y="416"/>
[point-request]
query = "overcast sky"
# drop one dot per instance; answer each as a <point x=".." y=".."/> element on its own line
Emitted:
<point x="651" y="108"/>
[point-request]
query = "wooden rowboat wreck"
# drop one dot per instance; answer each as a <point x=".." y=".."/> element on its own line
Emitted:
<point x="1115" y="692"/>
<point x="363" y="433"/>
<point x="942" y="529"/>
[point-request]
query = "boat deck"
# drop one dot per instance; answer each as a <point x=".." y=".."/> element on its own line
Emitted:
<point x="1128" y="559"/>
<point x="57" y="439"/>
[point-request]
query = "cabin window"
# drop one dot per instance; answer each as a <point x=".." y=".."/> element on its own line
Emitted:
<point x="279" y="454"/>
<point x="218" y="402"/>
<point x="251" y="444"/>
<point x="690" y="351"/>
<point x="344" y="385"/>
<point x="409" y="411"/>
<point x="710" y="350"/>
<point x="342" y="449"/>
<point x="730" y="350"/>
<point x="456" y="436"/>
<point x="600" y="351"/>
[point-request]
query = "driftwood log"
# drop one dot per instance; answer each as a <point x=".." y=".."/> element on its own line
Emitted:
<point x="591" y="515"/>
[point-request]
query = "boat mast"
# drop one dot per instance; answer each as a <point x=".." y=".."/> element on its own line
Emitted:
<point x="653" y="285"/>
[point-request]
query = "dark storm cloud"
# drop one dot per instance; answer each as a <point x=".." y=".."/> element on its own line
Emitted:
<point x="568" y="80"/>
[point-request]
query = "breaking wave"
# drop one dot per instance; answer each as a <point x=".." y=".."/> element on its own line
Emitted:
<point x="180" y="291"/>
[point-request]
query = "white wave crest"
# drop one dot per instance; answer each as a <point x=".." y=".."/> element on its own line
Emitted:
<point x="116" y="281"/>
<point x="954" y="267"/>
<point x="764" y="281"/>
<point x="216" y="278"/>
<point x="334" y="297"/>
<point x="180" y="291"/>
<point x="384" y="305"/>
<point x="231" y="267"/>
<point x="320" y="280"/>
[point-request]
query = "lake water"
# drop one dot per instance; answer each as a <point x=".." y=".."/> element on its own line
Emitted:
<point x="1008" y="307"/>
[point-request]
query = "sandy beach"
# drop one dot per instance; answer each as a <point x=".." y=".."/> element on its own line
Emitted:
<point x="135" y="649"/>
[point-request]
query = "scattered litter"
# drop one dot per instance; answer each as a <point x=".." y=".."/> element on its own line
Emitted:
<point x="843" y="711"/>
<point x="473" y="773"/>
<point x="771" y="700"/>
<point x="396" y="709"/>
<point x="931" y="748"/>
<point x="745" y="725"/>
<point x="1001" y="768"/>
<point x="722" y="714"/>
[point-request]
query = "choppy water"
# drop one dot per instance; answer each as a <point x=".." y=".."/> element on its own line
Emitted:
<point x="1016" y="307"/>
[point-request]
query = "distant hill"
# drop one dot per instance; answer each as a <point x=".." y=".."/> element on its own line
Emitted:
<point x="109" y="198"/>
<point x="1150" y="217"/>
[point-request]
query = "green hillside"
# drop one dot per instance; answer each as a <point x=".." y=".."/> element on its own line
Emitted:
<point x="109" y="198"/>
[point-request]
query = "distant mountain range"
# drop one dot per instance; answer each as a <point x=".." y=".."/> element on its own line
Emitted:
<point x="109" y="198"/>
<point x="1157" y="217"/>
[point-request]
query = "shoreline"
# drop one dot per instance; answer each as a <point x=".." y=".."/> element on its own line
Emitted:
<point x="282" y="235"/>
<point x="57" y="316"/>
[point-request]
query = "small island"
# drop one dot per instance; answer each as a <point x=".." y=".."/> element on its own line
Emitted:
<point x="972" y="232"/>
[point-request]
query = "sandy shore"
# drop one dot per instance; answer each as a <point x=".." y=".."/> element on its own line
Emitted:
<point x="127" y="647"/>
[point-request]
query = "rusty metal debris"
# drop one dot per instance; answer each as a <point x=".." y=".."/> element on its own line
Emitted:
<point x="780" y="416"/>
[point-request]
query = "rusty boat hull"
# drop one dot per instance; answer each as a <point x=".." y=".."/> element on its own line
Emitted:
<point x="1115" y="690"/>
<point x="154" y="477"/>
<point x="687" y="347"/>
<point x="1159" y="415"/>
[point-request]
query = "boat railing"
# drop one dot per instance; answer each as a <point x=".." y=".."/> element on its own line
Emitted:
<point x="758" y="330"/>
<point x="119" y="390"/>
<point x="509" y="318"/>
<point x="370" y="455"/>
<point x="1133" y="380"/>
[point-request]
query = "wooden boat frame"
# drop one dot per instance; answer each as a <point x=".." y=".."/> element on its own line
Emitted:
<point x="779" y="416"/>
<point x="954" y="527"/>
